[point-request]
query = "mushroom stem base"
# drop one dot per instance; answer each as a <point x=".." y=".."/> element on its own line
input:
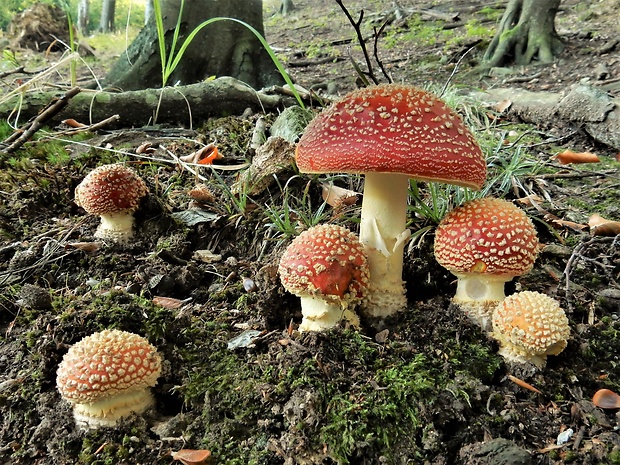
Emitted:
<point x="320" y="315"/>
<point x="117" y="227"/>
<point x="383" y="233"/>
<point x="107" y="412"/>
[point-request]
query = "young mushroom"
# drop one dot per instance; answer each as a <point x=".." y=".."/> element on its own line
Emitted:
<point x="326" y="267"/>
<point x="529" y="326"/>
<point x="390" y="133"/>
<point x="485" y="243"/>
<point x="113" y="192"/>
<point x="107" y="376"/>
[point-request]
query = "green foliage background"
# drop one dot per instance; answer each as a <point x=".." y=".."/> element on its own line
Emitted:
<point x="135" y="9"/>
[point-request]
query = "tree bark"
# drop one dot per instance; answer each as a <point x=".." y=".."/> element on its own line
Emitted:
<point x="286" y="6"/>
<point x="526" y="32"/>
<point x="223" y="48"/>
<point x="82" y="16"/>
<point x="148" y="11"/>
<point x="183" y="106"/>
<point x="107" y="16"/>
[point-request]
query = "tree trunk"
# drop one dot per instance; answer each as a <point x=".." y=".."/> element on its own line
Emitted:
<point x="107" y="16"/>
<point x="286" y="6"/>
<point x="526" y="32"/>
<point x="148" y="11"/>
<point x="223" y="48"/>
<point x="82" y="16"/>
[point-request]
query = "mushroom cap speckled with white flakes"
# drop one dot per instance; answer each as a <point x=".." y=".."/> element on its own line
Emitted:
<point x="486" y="236"/>
<point x="392" y="128"/>
<point x="327" y="262"/>
<point x="107" y="375"/>
<point x="110" y="189"/>
<point x="529" y="326"/>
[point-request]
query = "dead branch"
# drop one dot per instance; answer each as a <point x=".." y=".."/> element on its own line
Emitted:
<point x="21" y="136"/>
<point x="182" y="105"/>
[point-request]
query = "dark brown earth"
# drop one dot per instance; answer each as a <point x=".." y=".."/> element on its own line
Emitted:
<point x="425" y="387"/>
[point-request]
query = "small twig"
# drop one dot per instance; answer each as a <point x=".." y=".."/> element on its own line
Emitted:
<point x="19" y="137"/>
<point x="455" y="70"/>
<point x="376" y="52"/>
<point x="360" y="38"/>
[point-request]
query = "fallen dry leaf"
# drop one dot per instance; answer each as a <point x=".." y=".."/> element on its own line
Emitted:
<point x="568" y="156"/>
<point x="85" y="246"/>
<point x="502" y="106"/>
<point x="201" y="193"/>
<point x="600" y="226"/>
<point x="336" y="196"/>
<point x="204" y="156"/>
<point x="192" y="457"/>
<point x="73" y="123"/>
<point x="168" y="302"/>
<point x="604" y="398"/>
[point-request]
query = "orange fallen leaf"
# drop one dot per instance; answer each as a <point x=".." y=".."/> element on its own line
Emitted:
<point x="192" y="457"/>
<point x="204" y="156"/>
<point x="336" y="196"/>
<point x="568" y="156"/>
<point x="73" y="123"/>
<point x="604" y="398"/>
<point x="523" y="384"/>
<point x="168" y="302"/>
<point x="600" y="226"/>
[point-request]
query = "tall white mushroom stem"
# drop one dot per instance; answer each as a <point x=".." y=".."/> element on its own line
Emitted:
<point x="383" y="233"/>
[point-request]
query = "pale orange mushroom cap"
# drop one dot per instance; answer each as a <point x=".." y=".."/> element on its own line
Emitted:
<point x="529" y="326"/>
<point x="392" y="128"/>
<point x="106" y="376"/>
<point x="486" y="236"/>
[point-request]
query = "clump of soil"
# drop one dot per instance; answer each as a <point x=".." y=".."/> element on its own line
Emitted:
<point x="40" y="28"/>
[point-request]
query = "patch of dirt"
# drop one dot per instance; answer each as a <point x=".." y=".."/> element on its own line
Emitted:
<point x="424" y="387"/>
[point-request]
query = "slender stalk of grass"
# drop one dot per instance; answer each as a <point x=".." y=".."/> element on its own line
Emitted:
<point x="170" y="61"/>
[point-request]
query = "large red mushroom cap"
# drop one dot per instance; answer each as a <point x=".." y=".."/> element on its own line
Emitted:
<point x="106" y="376"/>
<point x="325" y="265"/>
<point x="485" y="243"/>
<point x="392" y="128"/>
<point x="113" y="192"/>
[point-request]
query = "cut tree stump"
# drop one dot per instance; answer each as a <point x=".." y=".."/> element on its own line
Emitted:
<point x="581" y="106"/>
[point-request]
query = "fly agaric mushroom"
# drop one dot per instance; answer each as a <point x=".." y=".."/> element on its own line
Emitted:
<point x="326" y="267"/>
<point x="390" y="133"/>
<point x="485" y="243"/>
<point x="113" y="192"/>
<point x="107" y="375"/>
<point x="529" y="326"/>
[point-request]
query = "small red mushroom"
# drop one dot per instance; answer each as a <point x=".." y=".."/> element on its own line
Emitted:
<point x="326" y="267"/>
<point x="390" y="133"/>
<point x="113" y="192"/>
<point x="485" y="243"/>
<point x="107" y="375"/>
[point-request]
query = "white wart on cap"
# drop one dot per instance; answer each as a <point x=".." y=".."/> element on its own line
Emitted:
<point x="107" y="376"/>
<point x="485" y="243"/>
<point x="113" y="192"/>
<point x="390" y="133"/>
